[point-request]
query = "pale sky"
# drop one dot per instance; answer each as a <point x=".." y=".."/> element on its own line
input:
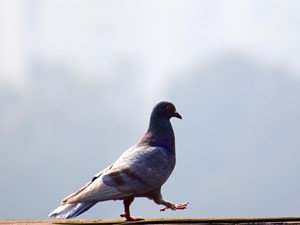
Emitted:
<point x="153" y="38"/>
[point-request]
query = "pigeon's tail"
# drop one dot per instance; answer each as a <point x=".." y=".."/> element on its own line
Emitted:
<point x="70" y="210"/>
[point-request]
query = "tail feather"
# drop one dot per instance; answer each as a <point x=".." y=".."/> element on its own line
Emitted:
<point x="70" y="210"/>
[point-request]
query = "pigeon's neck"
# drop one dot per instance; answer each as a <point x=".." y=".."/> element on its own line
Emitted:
<point x="160" y="133"/>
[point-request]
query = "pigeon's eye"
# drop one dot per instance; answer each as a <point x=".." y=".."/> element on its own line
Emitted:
<point x="170" y="108"/>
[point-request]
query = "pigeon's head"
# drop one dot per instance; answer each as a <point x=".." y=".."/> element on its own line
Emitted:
<point x="165" y="110"/>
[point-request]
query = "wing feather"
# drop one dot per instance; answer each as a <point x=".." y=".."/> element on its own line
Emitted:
<point x="77" y="193"/>
<point x="97" y="192"/>
<point x="108" y="186"/>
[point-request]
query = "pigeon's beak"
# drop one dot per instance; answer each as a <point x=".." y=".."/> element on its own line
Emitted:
<point x="177" y="115"/>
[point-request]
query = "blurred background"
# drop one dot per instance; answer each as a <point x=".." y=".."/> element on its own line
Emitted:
<point x="78" y="80"/>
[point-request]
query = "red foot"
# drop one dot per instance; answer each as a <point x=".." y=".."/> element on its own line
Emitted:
<point x="164" y="209"/>
<point x="130" y="218"/>
<point x="177" y="206"/>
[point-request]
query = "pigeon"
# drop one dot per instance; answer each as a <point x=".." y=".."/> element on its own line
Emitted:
<point x="139" y="172"/>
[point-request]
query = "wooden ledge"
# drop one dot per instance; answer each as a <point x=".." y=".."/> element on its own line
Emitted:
<point x="203" y="221"/>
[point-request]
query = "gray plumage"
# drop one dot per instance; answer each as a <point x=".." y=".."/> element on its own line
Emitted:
<point x="139" y="172"/>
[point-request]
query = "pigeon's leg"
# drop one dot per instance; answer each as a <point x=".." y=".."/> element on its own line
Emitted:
<point x="127" y="202"/>
<point x="169" y="205"/>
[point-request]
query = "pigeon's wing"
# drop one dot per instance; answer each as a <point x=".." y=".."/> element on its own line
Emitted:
<point x="66" y="199"/>
<point x="139" y="170"/>
<point x="109" y="186"/>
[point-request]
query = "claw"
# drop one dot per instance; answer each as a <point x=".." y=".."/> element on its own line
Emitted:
<point x="182" y="206"/>
<point x="130" y="218"/>
<point x="164" y="209"/>
<point x="177" y="206"/>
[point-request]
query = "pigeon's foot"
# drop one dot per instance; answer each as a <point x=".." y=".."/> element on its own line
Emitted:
<point x="176" y="206"/>
<point x="130" y="218"/>
<point x="126" y="213"/>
